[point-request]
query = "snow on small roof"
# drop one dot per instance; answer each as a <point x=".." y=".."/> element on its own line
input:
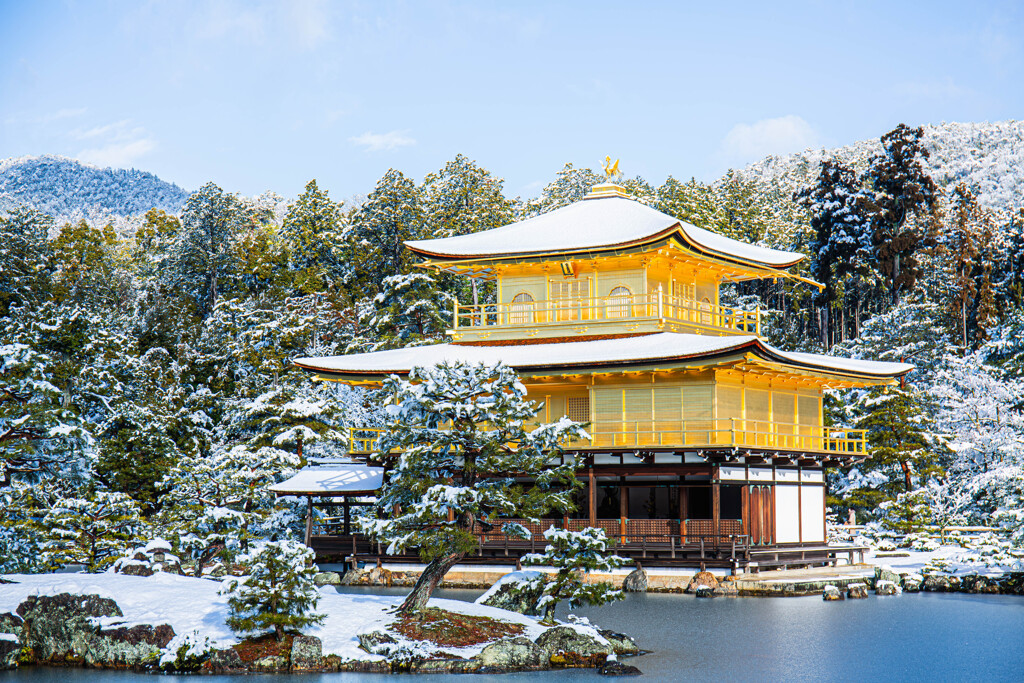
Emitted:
<point x="331" y="480"/>
<point x="592" y="224"/>
<point x="663" y="346"/>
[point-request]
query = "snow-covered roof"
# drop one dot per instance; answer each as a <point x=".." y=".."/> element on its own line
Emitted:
<point x="597" y="223"/>
<point x="327" y="480"/>
<point x="644" y="349"/>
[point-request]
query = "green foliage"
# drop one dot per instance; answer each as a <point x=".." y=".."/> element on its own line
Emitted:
<point x="312" y="229"/>
<point x="574" y="554"/>
<point x="409" y="310"/>
<point x="278" y="592"/>
<point x="391" y="214"/>
<point x="26" y="257"/>
<point x="93" y="528"/>
<point x="459" y="429"/>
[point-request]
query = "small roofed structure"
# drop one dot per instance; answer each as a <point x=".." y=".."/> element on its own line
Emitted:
<point x="355" y="484"/>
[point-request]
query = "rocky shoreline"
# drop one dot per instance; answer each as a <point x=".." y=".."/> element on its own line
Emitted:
<point x="69" y="630"/>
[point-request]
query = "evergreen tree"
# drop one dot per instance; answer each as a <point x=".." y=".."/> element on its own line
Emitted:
<point x="692" y="202"/>
<point x="93" y="529"/>
<point x="86" y="268"/>
<point x="963" y="237"/>
<point x="312" y="229"/>
<point x="26" y="259"/>
<point x="900" y="439"/>
<point x="409" y="310"/>
<point x="571" y="185"/>
<point x="841" y="242"/>
<point x="390" y="216"/>
<point x="459" y="431"/>
<point x="277" y="593"/>
<point x="904" y="195"/>
<point x="463" y="198"/>
<point x="574" y="554"/>
<point x="200" y="261"/>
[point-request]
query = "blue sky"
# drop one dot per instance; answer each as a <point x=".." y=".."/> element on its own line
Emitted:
<point x="266" y="95"/>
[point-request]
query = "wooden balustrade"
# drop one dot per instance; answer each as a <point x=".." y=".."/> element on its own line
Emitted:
<point x="655" y="305"/>
<point x="730" y="432"/>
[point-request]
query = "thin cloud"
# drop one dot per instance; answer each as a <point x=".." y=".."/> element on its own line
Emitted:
<point x="383" y="142"/>
<point x="747" y="142"/>
<point x="119" y="144"/>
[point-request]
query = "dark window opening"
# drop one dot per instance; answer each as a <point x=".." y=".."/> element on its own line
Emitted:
<point x="699" y="503"/>
<point x="732" y="502"/>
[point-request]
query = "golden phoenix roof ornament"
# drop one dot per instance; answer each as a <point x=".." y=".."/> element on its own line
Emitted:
<point x="611" y="170"/>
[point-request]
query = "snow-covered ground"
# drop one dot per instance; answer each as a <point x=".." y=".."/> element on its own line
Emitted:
<point x="952" y="560"/>
<point x="197" y="612"/>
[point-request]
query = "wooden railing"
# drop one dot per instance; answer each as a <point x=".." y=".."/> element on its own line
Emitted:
<point x="728" y="432"/>
<point x="656" y="305"/>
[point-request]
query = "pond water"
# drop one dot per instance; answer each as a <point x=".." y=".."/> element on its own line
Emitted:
<point x="919" y="637"/>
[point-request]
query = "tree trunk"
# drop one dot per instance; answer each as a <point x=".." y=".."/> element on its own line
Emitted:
<point x="416" y="601"/>
<point x="906" y="476"/>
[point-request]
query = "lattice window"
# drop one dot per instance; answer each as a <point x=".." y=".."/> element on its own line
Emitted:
<point x="577" y="408"/>
<point x="568" y="298"/>
<point x="521" y="309"/>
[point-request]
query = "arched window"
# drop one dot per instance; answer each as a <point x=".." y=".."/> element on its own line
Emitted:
<point x="521" y="310"/>
<point x="618" y="302"/>
<point x="705" y="311"/>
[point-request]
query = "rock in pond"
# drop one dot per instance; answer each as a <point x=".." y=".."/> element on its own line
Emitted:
<point x="377" y="642"/>
<point x="615" y="668"/>
<point x="704" y="592"/>
<point x="565" y="646"/>
<point x="10" y="648"/>
<point x="886" y="574"/>
<point x="518" y="591"/>
<point x="635" y="581"/>
<point x="885" y="587"/>
<point x="620" y="642"/>
<point x="327" y="579"/>
<point x="513" y="654"/>
<point x="831" y="593"/>
<point x="307" y="653"/>
<point x="857" y="591"/>
<point x="912" y="583"/>
<point x="937" y="583"/>
<point x="702" y="579"/>
<point x="270" y="664"/>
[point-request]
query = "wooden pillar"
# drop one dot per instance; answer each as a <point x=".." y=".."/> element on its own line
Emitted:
<point x="348" y="516"/>
<point x="745" y="508"/>
<point x="309" y="518"/>
<point x="716" y="507"/>
<point x="623" y="511"/>
<point x="592" y="496"/>
<point x="684" y="506"/>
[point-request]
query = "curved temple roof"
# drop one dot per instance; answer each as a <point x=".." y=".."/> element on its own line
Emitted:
<point x="661" y="347"/>
<point x="594" y="224"/>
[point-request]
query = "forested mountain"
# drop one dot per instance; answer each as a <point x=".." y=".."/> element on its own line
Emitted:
<point x="67" y="188"/>
<point x="148" y="376"/>
<point x="987" y="157"/>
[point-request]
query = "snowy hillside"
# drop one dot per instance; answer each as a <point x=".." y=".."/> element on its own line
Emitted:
<point x="989" y="157"/>
<point x="68" y="188"/>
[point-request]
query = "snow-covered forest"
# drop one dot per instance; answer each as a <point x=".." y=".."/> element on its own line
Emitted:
<point x="148" y="391"/>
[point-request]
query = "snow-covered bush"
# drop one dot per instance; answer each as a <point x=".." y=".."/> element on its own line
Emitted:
<point x="278" y="592"/>
<point x="575" y="554"/>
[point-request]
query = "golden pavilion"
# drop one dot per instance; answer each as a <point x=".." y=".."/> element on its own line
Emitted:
<point x="707" y="445"/>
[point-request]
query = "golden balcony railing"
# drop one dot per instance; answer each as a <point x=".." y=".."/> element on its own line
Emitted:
<point x="653" y="306"/>
<point x="724" y="433"/>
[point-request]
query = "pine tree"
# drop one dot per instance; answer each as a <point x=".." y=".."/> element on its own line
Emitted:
<point x="574" y="554"/>
<point x="900" y="441"/>
<point x="90" y="528"/>
<point x="459" y="431"/>
<point x="904" y="195"/>
<point x="277" y="593"/>
<point x="692" y="202"/>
